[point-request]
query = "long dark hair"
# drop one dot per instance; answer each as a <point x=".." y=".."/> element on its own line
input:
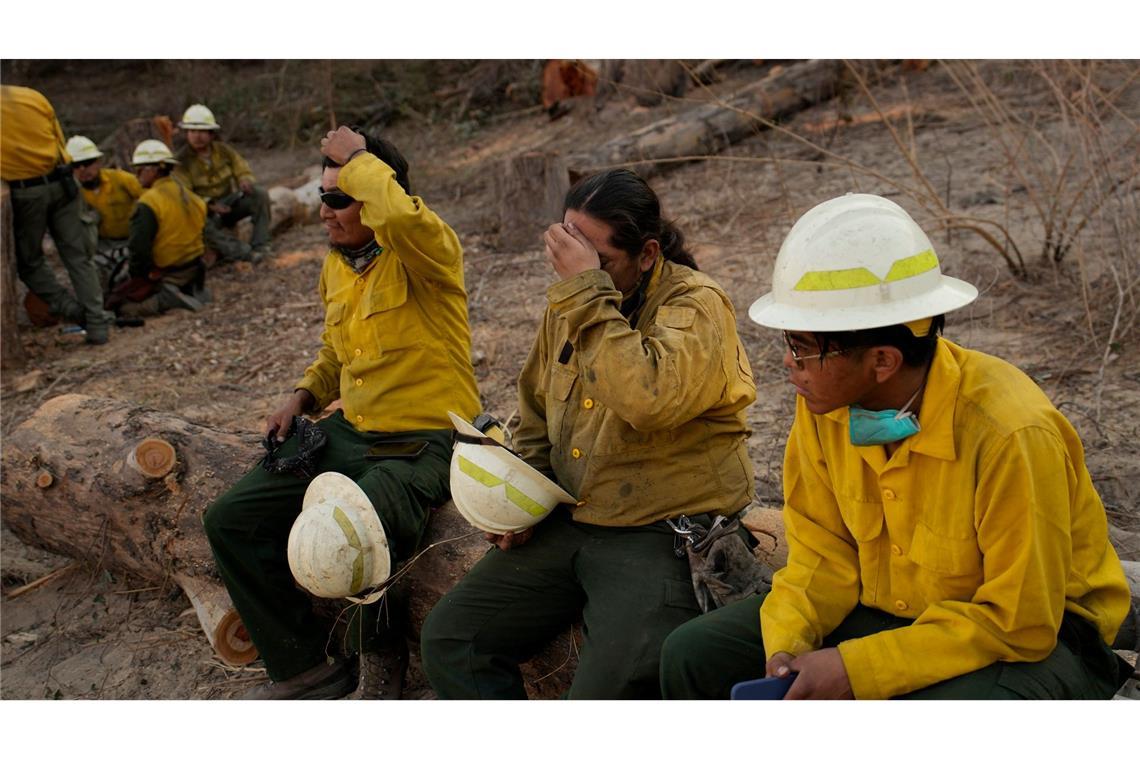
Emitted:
<point x="629" y="206"/>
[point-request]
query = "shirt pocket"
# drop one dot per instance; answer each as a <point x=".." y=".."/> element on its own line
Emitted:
<point x="559" y="390"/>
<point x="389" y="320"/>
<point x="864" y="519"/>
<point x="334" y="328"/>
<point x="951" y="568"/>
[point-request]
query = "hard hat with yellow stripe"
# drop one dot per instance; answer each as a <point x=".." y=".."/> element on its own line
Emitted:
<point x="198" y="116"/>
<point x="337" y="547"/>
<point x="493" y="489"/>
<point x="81" y="148"/>
<point x="853" y="263"/>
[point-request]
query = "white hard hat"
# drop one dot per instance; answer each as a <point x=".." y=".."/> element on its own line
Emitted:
<point x="152" y="152"/>
<point x="81" y="148"/>
<point x="493" y="489"/>
<point x="337" y="546"/>
<point x="853" y="263"/>
<point x="198" y="116"/>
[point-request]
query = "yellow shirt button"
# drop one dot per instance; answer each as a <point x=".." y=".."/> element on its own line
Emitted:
<point x="576" y="452"/>
<point x="900" y="605"/>
<point x="359" y="381"/>
<point x="888" y="494"/>
<point x="358" y="352"/>
<point x="359" y="418"/>
<point x="896" y="550"/>
<point x="588" y="403"/>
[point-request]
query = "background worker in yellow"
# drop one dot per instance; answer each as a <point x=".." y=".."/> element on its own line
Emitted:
<point x="945" y="539"/>
<point x="633" y="398"/>
<point x="216" y="171"/>
<point x="166" y="269"/>
<point x="36" y="166"/>
<point x="110" y="196"/>
<point x="396" y="350"/>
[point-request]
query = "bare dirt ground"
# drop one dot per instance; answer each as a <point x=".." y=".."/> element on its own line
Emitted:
<point x="90" y="634"/>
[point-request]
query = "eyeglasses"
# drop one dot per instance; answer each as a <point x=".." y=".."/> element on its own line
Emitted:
<point x="337" y="200"/>
<point x="83" y="164"/>
<point x="800" y="359"/>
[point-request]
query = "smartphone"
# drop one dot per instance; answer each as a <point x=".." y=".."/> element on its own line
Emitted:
<point x="396" y="450"/>
<point x="763" y="688"/>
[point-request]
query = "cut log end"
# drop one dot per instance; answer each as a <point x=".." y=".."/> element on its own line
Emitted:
<point x="232" y="642"/>
<point x="153" y="458"/>
<point x="44" y="479"/>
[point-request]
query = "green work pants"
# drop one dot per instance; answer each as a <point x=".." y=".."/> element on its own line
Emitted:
<point x="190" y="279"/>
<point x="43" y="208"/>
<point x="254" y="205"/>
<point x="626" y="584"/>
<point x="248" y="529"/>
<point x="705" y="658"/>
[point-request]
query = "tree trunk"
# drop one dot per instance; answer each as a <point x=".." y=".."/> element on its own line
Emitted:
<point x="74" y="481"/>
<point x="531" y="189"/>
<point x="710" y="128"/>
<point x="11" y="349"/>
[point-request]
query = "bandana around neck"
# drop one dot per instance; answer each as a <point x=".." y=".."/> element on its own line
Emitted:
<point x="361" y="257"/>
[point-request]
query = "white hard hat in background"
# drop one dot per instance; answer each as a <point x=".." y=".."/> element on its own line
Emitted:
<point x="337" y="546"/>
<point x="493" y="489"/>
<point x="853" y="263"/>
<point x="81" y="148"/>
<point x="198" y="116"/>
<point x="152" y="152"/>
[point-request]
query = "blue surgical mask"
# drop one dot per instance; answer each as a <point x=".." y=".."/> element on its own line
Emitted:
<point x="868" y="428"/>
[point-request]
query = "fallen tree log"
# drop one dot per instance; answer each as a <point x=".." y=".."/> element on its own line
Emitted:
<point x="93" y="478"/>
<point x="710" y="128"/>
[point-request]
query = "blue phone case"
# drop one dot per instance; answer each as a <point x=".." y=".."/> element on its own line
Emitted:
<point x="763" y="688"/>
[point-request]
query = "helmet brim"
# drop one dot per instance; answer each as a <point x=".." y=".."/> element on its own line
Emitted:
<point x="951" y="294"/>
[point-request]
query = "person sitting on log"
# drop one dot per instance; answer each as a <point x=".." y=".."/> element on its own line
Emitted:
<point x="945" y="540"/>
<point x="634" y="400"/>
<point x="396" y="350"/>
<point x="35" y="164"/>
<point x="217" y="172"/>
<point x="110" y="195"/>
<point x="165" y="241"/>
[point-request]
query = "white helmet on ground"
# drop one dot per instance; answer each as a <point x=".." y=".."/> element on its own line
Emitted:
<point x="853" y="263"/>
<point x="81" y="148"/>
<point x="152" y="152"/>
<point x="493" y="489"/>
<point x="337" y="546"/>
<point x="198" y="116"/>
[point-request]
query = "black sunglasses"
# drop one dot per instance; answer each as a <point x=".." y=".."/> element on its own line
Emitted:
<point x="337" y="200"/>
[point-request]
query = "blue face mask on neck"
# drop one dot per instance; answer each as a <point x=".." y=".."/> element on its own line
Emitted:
<point x="869" y="428"/>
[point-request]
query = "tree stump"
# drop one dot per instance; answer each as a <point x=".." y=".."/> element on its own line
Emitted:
<point x="11" y="349"/>
<point x="531" y="190"/>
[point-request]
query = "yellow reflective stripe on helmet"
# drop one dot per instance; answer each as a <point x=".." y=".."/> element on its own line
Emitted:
<point x="514" y="495"/>
<point x="838" y="279"/>
<point x="353" y="539"/>
<point x="524" y="502"/>
<point x="912" y="266"/>
<point x="861" y="277"/>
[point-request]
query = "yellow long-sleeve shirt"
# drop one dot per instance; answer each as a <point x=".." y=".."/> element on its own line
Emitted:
<point x="216" y="176"/>
<point x="114" y="199"/>
<point x="984" y="528"/>
<point x="31" y="140"/>
<point x="644" y="423"/>
<point x="396" y="348"/>
<point x="180" y="217"/>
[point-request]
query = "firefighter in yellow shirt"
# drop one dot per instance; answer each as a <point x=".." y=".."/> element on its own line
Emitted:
<point x="945" y="539"/>
<point x="166" y="244"/>
<point x="396" y="351"/>
<point x="35" y="164"/>
<point x="217" y="172"/>
<point x="110" y="195"/>
<point x="634" y="398"/>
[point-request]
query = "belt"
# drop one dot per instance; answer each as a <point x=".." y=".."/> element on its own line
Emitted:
<point x="54" y="175"/>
